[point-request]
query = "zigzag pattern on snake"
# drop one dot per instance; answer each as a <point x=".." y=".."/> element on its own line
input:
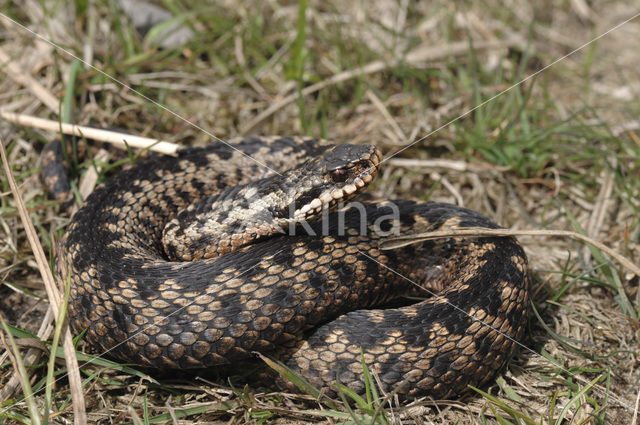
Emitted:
<point x="320" y="301"/>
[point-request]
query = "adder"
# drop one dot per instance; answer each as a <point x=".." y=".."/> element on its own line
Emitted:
<point x="203" y="259"/>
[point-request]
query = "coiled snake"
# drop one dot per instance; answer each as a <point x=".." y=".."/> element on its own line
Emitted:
<point x="158" y="293"/>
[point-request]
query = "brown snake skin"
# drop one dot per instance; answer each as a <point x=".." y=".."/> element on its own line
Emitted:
<point x="320" y="303"/>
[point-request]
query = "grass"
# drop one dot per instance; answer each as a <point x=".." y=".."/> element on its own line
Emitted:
<point x="561" y="151"/>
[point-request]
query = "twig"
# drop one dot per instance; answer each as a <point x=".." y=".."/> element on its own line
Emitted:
<point x="400" y="241"/>
<point x="117" y="139"/>
<point x="449" y="164"/>
<point x="55" y="299"/>
<point x="635" y="410"/>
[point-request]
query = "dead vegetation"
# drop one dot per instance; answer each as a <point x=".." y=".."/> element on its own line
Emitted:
<point x="559" y="151"/>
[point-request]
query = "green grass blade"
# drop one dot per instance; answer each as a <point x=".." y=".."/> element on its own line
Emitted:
<point x="145" y="409"/>
<point x="100" y="361"/>
<point x="360" y="402"/>
<point x="500" y="419"/>
<point x="183" y="413"/>
<point x="24" y="376"/>
<point x="67" y="102"/>
<point x="576" y="399"/>
<point x="297" y="380"/>
<point x="515" y="414"/>
<point x="160" y="30"/>
<point x="357" y="419"/>
<point x="609" y="271"/>
<point x="369" y="384"/>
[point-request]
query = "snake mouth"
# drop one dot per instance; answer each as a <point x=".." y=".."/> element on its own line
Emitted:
<point x="358" y="166"/>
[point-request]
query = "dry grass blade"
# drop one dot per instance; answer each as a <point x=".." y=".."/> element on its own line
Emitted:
<point x="561" y="151"/>
<point x="397" y="131"/>
<point x="62" y="314"/>
<point x="90" y="179"/>
<point x="634" y="421"/>
<point x="23" y="78"/>
<point x="55" y="299"/>
<point x="416" y="57"/>
<point x="399" y="242"/>
<point x="117" y="139"/>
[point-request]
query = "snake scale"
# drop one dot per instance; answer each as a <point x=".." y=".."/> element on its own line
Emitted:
<point x="321" y="300"/>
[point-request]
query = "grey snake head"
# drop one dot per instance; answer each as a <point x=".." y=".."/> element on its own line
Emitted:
<point x="338" y="175"/>
<point x="268" y="205"/>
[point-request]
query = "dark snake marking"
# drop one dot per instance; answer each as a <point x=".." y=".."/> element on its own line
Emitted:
<point x="307" y="300"/>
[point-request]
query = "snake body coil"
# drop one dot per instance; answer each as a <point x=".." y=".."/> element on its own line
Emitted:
<point x="308" y="299"/>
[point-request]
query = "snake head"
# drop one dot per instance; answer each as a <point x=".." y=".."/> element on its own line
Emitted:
<point x="335" y="177"/>
<point x="238" y="215"/>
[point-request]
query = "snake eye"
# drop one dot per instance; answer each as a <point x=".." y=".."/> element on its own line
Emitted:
<point x="339" y="175"/>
